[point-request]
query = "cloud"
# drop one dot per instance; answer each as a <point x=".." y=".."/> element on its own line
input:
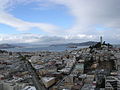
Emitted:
<point x="92" y="13"/>
<point x="88" y="14"/>
<point x="19" y="38"/>
<point x="10" y="20"/>
<point x="21" y="25"/>
<point x="40" y="39"/>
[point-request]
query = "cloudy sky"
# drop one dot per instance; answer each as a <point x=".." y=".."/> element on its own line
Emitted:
<point x="59" y="21"/>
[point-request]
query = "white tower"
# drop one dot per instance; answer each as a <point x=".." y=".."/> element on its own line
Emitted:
<point x="101" y="39"/>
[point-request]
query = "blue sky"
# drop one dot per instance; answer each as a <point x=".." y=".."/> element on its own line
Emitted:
<point x="32" y="12"/>
<point x="68" y="20"/>
<point x="57" y="15"/>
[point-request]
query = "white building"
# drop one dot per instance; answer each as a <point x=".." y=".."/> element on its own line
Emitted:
<point x="48" y="81"/>
<point x="4" y="85"/>
<point x="1" y="86"/>
<point x="29" y="88"/>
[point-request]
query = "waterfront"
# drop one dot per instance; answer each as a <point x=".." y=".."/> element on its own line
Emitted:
<point x="59" y="45"/>
<point x="42" y="48"/>
<point x="96" y="67"/>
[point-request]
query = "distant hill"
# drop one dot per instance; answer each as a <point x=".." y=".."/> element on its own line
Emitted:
<point x="89" y="43"/>
<point x="5" y="46"/>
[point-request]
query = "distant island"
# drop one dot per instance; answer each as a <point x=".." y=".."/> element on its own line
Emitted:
<point x="6" y="46"/>
<point x="75" y="45"/>
<point x="67" y="45"/>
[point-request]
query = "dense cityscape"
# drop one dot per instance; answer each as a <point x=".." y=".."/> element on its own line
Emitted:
<point x="94" y="68"/>
<point x="59" y="44"/>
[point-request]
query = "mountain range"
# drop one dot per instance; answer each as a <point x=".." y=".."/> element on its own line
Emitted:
<point x="6" y="46"/>
<point x="77" y="44"/>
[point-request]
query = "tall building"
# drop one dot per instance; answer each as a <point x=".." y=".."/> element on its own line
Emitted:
<point x="1" y="86"/>
<point x="101" y="40"/>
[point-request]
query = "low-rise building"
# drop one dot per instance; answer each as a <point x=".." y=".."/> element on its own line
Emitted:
<point x="29" y="88"/>
<point x="48" y="81"/>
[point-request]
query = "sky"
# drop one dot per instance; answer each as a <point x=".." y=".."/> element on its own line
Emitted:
<point x="59" y="21"/>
